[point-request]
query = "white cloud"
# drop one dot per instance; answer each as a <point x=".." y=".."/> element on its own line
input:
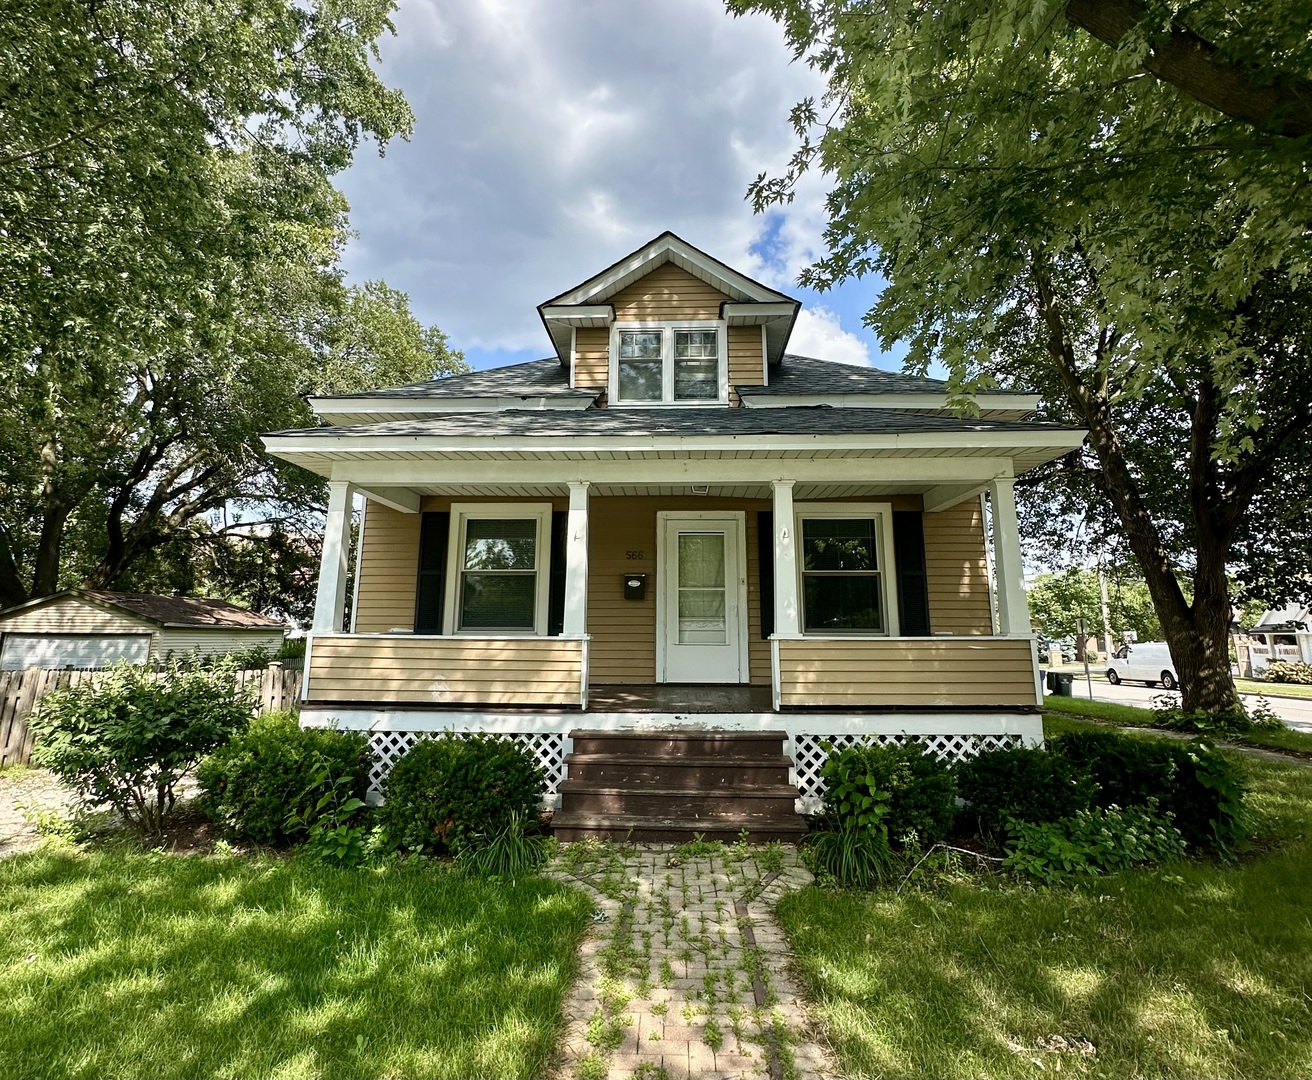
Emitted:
<point x="553" y="136"/>
<point x="819" y="333"/>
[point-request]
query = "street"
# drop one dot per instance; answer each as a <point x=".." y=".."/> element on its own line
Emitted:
<point x="1295" y="712"/>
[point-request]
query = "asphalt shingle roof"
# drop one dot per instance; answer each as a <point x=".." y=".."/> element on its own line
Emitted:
<point x="807" y="375"/>
<point x="534" y="378"/>
<point x="189" y="611"/>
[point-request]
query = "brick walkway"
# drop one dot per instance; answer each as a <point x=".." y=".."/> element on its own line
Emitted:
<point x="25" y="794"/>
<point x="685" y="975"/>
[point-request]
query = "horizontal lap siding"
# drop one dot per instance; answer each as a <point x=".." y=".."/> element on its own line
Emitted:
<point x="216" y="642"/>
<point x="624" y="631"/>
<point x="591" y="356"/>
<point x="957" y="571"/>
<point x="446" y="671"/>
<point x="901" y="672"/>
<point x="669" y="292"/>
<point x="72" y="616"/>
<point x="746" y="358"/>
<point x="388" y="570"/>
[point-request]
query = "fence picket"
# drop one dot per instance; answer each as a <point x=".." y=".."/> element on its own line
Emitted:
<point x="21" y="691"/>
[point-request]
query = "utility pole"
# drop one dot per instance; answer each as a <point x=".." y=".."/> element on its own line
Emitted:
<point x="1106" y="611"/>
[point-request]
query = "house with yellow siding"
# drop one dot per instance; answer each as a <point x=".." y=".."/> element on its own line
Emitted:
<point x="675" y="559"/>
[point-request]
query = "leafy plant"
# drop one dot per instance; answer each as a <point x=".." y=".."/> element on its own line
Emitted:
<point x="1226" y="812"/>
<point x="1098" y="841"/>
<point x="1168" y="716"/>
<point x="852" y="792"/>
<point x="332" y="835"/>
<point x="910" y="789"/>
<point x="852" y="855"/>
<point x="263" y="785"/>
<point x="1020" y="784"/>
<point x="126" y="738"/>
<point x="446" y="792"/>
<point x="1288" y="671"/>
<point x="508" y="854"/>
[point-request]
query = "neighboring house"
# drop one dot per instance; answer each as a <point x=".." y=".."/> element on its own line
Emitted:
<point x="1280" y="634"/>
<point x="674" y="523"/>
<point x="88" y="628"/>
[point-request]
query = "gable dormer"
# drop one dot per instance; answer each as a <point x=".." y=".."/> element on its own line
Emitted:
<point x="669" y="325"/>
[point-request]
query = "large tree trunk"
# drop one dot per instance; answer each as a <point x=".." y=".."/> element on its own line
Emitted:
<point x="11" y="585"/>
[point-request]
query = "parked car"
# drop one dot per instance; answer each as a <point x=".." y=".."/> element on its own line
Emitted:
<point x="1144" y="661"/>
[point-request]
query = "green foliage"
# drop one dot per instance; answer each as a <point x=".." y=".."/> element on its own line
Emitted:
<point x="266" y="784"/>
<point x="1058" y="600"/>
<point x="1240" y="720"/>
<point x="1020" y="784"/>
<point x="126" y="738"/>
<point x="1098" y="841"/>
<point x="291" y="649"/>
<point x="447" y="793"/>
<point x="902" y="789"/>
<point x="330" y="820"/>
<point x="509" y="853"/>
<point x="1289" y="671"/>
<point x="852" y="855"/>
<point x="1229" y="817"/>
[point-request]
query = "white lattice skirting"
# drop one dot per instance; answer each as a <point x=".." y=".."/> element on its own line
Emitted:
<point x="390" y="746"/>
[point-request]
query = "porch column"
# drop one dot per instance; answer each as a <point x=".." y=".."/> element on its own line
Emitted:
<point x="786" y="609"/>
<point x="1013" y="607"/>
<point x="330" y="600"/>
<point x="576" y="561"/>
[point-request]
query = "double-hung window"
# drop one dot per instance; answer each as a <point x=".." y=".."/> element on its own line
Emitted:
<point x="845" y="576"/>
<point x="498" y="568"/>
<point x="670" y="364"/>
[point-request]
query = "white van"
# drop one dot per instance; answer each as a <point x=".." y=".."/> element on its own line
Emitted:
<point x="1143" y="661"/>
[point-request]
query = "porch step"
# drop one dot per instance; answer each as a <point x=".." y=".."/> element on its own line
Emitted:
<point x="670" y="785"/>
<point x="645" y="828"/>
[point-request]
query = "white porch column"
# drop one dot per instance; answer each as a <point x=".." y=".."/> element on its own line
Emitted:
<point x="1013" y="607"/>
<point x="576" y="561"/>
<point x="330" y="600"/>
<point x="787" y="622"/>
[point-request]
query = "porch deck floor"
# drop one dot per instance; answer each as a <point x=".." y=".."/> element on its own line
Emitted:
<point x="680" y="698"/>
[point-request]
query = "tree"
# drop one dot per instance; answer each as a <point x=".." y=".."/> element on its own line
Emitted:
<point x="1050" y="211"/>
<point x="169" y="287"/>
<point x="1057" y="601"/>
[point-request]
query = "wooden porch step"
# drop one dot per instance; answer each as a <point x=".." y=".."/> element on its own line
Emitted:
<point x="699" y="773"/>
<point x="740" y="745"/>
<point x="644" y="828"/>
<point x="775" y="802"/>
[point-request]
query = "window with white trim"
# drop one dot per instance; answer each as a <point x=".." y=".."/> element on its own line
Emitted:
<point x="498" y="570"/>
<point x="678" y="363"/>
<point x="845" y="569"/>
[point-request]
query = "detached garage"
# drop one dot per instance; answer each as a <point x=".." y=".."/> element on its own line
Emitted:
<point x="84" y="628"/>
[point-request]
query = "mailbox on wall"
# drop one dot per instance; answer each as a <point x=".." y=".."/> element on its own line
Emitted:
<point x="635" y="586"/>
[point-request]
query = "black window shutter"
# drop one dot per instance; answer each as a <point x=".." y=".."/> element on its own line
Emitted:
<point x="434" y="536"/>
<point x="912" y="579"/>
<point x="556" y="595"/>
<point x="765" y="547"/>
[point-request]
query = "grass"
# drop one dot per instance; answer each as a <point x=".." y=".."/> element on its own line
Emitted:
<point x="1273" y="689"/>
<point x="1191" y="970"/>
<point x="1288" y="741"/>
<point x="145" y="965"/>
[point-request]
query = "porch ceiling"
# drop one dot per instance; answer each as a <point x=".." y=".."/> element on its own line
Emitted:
<point x="801" y="491"/>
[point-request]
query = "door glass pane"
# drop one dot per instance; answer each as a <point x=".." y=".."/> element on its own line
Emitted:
<point x="838" y="544"/>
<point x="702" y="596"/>
<point x="835" y="602"/>
<point x="497" y="601"/>
<point x="493" y="544"/>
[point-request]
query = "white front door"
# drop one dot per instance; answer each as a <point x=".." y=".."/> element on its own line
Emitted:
<point x="702" y="604"/>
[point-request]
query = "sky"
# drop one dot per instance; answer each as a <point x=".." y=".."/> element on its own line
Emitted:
<point x="553" y="137"/>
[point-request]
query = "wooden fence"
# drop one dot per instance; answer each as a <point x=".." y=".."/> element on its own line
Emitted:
<point x="272" y="688"/>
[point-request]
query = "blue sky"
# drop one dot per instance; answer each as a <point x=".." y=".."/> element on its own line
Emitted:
<point x="554" y="136"/>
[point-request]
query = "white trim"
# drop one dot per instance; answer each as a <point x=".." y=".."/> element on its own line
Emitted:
<point x="665" y="573"/>
<point x="757" y="313"/>
<point x="668" y="330"/>
<point x="359" y="550"/>
<point x="1013" y="605"/>
<point x="776" y="690"/>
<point x="787" y="608"/>
<point x="576" y="561"/>
<point x="988" y="403"/>
<point x="575" y="315"/>
<point x="305" y="668"/>
<point x="573" y="357"/>
<point x="402" y="500"/>
<point x="330" y="593"/>
<point x="882" y="513"/>
<point x="988" y="560"/>
<point x="461" y="513"/>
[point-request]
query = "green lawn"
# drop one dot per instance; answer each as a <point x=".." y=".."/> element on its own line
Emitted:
<point x="1273" y="689"/>
<point x="1299" y="742"/>
<point x="136" y="965"/>
<point x="1195" y="970"/>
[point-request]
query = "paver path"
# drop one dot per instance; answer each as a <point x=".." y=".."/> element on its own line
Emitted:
<point x="685" y="974"/>
<point x="25" y="793"/>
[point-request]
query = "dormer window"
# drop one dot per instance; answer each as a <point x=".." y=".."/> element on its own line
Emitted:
<point x="670" y="363"/>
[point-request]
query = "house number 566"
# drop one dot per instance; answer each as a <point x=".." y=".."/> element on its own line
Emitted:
<point x="634" y="555"/>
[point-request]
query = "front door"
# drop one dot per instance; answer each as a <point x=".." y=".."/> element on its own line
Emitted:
<point x="702" y="605"/>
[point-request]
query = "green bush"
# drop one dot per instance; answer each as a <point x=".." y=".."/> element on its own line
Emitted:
<point x="446" y="793"/>
<point x="125" y="738"/>
<point x="1199" y="788"/>
<point x="1098" y="841"/>
<point x="852" y="855"/>
<point x="275" y="769"/>
<point x="1168" y="716"/>
<point x="1021" y="784"/>
<point x="1288" y="671"/>
<point x="903" y="789"/>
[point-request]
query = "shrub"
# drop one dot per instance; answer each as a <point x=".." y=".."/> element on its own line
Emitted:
<point x="507" y="853"/>
<point x="291" y="649"/>
<point x="903" y="789"/>
<point x="852" y="855"/>
<point x="1098" y="841"/>
<point x="276" y="769"/>
<point x="125" y="738"/>
<point x="446" y="792"/>
<point x="1021" y="784"/>
<point x="1168" y="716"/>
<point x="1288" y="671"/>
